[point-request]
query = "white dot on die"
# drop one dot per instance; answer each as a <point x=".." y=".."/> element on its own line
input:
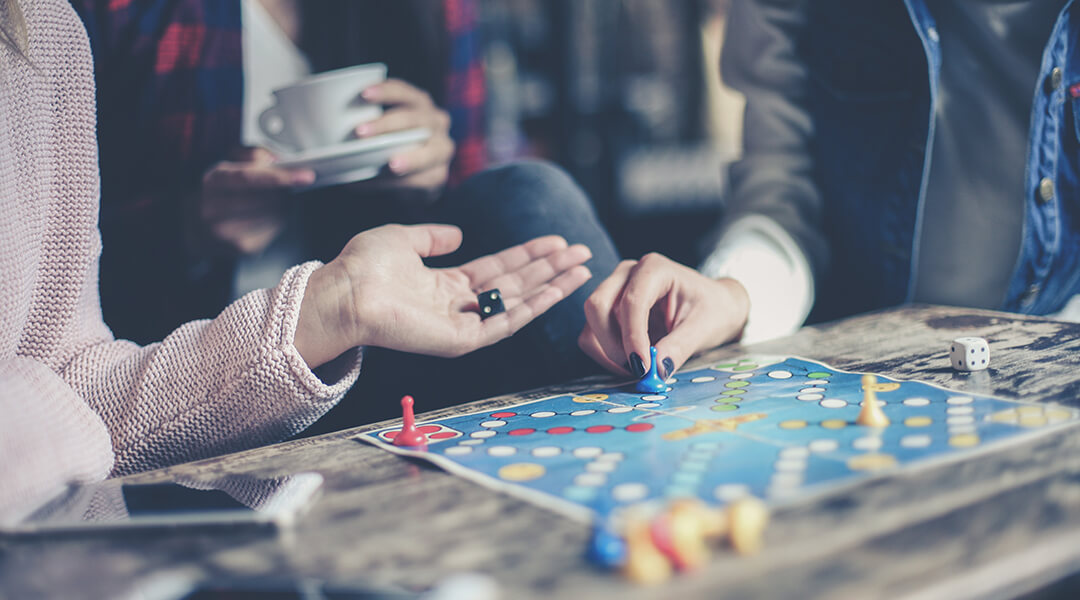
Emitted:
<point x="629" y="492"/>
<point x="546" y="451"/>
<point x="502" y="451"/>
<point x="543" y="414"/>
<point x="916" y="402"/>
<point x="588" y="452"/>
<point x="780" y="374"/>
<point x="482" y="434"/>
<point x="582" y="413"/>
<point x="493" y="423"/>
<point x="833" y="403"/>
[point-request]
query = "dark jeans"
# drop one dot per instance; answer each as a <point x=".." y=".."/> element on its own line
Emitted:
<point x="495" y="209"/>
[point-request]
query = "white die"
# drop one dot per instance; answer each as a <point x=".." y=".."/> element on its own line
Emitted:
<point x="969" y="354"/>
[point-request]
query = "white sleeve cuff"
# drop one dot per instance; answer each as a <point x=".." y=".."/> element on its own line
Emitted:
<point x="760" y="255"/>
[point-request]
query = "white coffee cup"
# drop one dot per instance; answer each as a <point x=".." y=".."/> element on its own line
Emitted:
<point x="324" y="109"/>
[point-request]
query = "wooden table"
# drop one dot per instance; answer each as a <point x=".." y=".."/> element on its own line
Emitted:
<point x="998" y="524"/>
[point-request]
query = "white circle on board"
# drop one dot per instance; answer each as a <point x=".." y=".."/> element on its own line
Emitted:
<point x="670" y="380"/>
<point x="588" y="452"/>
<point x="916" y="401"/>
<point x="590" y="479"/>
<point x="542" y="414"/>
<point x="786" y="479"/>
<point x="706" y="446"/>
<point x="879" y="403"/>
<point x="823" y="445"/>
<point x="812" y="390"/>
<point x="482" y="434"/>
<point x="646" y="405"/>
<point x="653" y="397"/>
<point x="833" y="403"/>
<point x="611" y="456"/>
<point x="780" y="374"/>
<point x="470" y="442"/>
<point x="502" y="451"/>
<point x="705" y="379"/>
<point x="493" y="423"/>
<point x="793" y="465"/>
<point x="547" y="451"/>
<point x="960" y="410"/>
<point x="953" y="429"/>
<point x="458" y="450"/>
<point x="867" y="443"/>
<point x="583" y="412"/>
<point x="738" y="376"/>
<point x="694" y="465"/>
<point x="960" y="420"/>
<point x="915" y="441"/>
<point x="600" y="467"/>
<point x="809" y="397"/>
<point x="731" y="491"/>
<point x="629" y="492"/>
<point x="960" y="400"/>
<point x="795" y="452"/>
<point x="620" y="409"/>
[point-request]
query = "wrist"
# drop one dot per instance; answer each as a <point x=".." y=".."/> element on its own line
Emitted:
<point x="324" y="328"/>
<point x="736" y="301"/>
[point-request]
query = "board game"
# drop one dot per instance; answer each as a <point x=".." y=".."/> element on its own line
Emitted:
<point x="780" y="428"/>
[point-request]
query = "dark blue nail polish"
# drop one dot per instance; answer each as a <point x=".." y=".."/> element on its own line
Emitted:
<point x="636" y="366"/>
<point x="669" y="367"/>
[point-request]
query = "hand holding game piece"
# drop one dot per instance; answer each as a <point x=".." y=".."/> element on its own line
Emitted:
<point x="409" y="436"/>
<point x="871" y="414"/>
<point x="378" y="292"/>
<point x="747" y="518"/>
<point x="658" y="302"/>
<point x="969" y="354"/>
<point x="651" y="382"/>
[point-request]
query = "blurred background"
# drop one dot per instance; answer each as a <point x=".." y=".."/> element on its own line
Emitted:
<point x="626" y="95"/>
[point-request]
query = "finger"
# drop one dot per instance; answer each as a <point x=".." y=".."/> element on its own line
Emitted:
<point x="396" y="91"/>
<point x="540" y="271"/>
<point x="430" y="180"/>
<point x="483" y="270"/>
<point x="438" y="150"/>
<point x="649" y="281"/>
<point x="506" y="324"/>
<point x="675" y="348"/>
<point x="247" y="176"/>
<point x="591" y="347"/>
<point x="600" y="313"/>
<point x="253" y="154"/>
<point x="432" y="240"/>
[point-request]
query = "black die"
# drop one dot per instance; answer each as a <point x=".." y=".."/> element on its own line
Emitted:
<point x="490" y="303"/>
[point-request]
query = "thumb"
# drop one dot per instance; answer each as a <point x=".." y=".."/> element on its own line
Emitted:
<point x="433" y="240"/>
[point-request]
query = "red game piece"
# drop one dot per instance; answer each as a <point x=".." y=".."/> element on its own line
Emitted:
<point x="409" y="436"/>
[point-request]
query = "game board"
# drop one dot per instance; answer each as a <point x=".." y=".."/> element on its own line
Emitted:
<point x="780" y="428"/>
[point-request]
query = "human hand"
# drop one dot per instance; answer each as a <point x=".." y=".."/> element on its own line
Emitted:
<point x="426" y="167"/>
<point x="658" y="302"/>
<point x="243" y="201"/>
<point x="378" y="292"/>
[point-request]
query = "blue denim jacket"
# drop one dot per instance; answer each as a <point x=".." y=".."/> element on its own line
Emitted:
<point x="851" y="83"/>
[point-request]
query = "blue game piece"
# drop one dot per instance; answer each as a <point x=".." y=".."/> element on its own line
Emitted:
<point x="651" y="382"/>
<point x="607" y="549"/>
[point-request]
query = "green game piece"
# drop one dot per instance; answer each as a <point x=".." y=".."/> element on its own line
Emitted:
<point x="724" y="407"/>
<point x="818" y="375"/>
<point x="732" y="392"/>
<point x="737" y="384"/>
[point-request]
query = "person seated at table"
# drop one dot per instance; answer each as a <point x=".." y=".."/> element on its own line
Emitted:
<point x="79" y="405"/>
<point x="894" y="152"/>
<point x="194" y="205"/>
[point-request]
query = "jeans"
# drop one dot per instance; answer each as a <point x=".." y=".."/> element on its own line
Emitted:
<point x="495" y="209"/>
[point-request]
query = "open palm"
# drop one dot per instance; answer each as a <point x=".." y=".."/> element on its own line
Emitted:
<point x="397" y="302"/>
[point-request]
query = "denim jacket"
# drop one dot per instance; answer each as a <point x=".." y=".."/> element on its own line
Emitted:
<point x="839" y="121"/>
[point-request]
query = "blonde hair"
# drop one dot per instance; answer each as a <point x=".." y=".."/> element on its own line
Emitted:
<point x="12" y="27"/>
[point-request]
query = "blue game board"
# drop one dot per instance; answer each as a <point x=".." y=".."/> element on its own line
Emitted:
<point x="779" y="428"/>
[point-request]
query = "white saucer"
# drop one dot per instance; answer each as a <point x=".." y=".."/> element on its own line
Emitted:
<point x="355" y="160"/>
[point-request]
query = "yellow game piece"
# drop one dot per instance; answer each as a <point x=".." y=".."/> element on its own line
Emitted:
<point x="747" y="518"/>
<point x="645" y="565"/>
<point x="687" y="528"/>
<point x="871" y="414"/>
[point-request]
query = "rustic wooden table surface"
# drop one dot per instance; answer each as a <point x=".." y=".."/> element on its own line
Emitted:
<point x="999" y="524"/>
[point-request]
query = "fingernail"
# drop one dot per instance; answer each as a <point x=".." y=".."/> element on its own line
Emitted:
<point x="636" y="366"/>
<point x="363" y="130"/>
<point x="303" y="178"/>
<point x="669" y="367"/>
<point x="398" y="165"/>
<point x="370" y="93"/>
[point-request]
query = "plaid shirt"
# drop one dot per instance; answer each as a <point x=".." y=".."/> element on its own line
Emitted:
<point x="170" y="92"/>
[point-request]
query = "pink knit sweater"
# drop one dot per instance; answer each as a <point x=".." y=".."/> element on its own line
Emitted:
<point x="76" y="405"/>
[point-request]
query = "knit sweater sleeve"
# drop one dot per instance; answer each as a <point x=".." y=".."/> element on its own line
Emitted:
<point x="210" y="387"/>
